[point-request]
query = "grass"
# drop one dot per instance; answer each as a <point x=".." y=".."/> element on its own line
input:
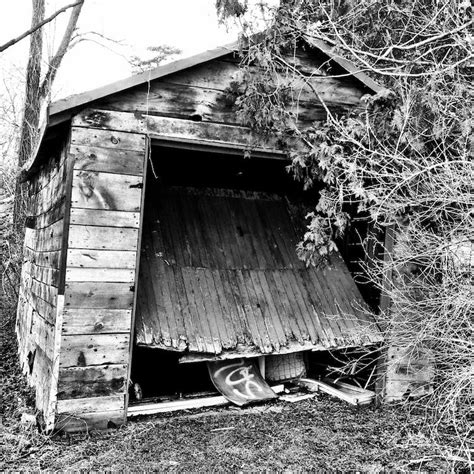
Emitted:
<point x="316" y="434"/>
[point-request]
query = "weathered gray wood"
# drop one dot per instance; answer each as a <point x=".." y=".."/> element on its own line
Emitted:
<point x="81" y="99"/>
<point x="203" y="94"/>
<point x="108" y="139"/>
<point x="91" y="158"/>
<point x="96" y="321"/>
<point x="105" y="218"/>
<point x="104" y="120"/>
<point x="95" y="349"/>
<point x="97" y="190"/>
<point x="99" y="295"/>
<point x="79" y="406"/>
<point x="102" y="238"/>
<point x="100" y="274"/>
<point x="206" y="132"/>
<point x="83" y="382"/>
<point x="90" y="258"/>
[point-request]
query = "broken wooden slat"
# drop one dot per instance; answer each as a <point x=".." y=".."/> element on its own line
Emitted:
<point x="345" y="392"/>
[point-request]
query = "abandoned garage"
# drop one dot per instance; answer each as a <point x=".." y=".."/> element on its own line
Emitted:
<point x="160" y="247"/>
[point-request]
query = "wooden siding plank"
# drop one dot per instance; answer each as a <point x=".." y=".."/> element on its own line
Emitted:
<point x="98" y="190"/>
<point x="96" y="321"/>
<point x="78" y="406"/>
<point x="99" y="295"/>
<point x="94" y="349"/>
<point x="190" y="333"/>
<point x="106" y="218"/>
<point x="100" y="274"/>
<point x="91" y="258"/>
<point x="83" y="382"/>
<point x="102" y="238"/>
<point x="114" y="140"/>
<point x="194" y="319"/>
<point x="95" y="158"/>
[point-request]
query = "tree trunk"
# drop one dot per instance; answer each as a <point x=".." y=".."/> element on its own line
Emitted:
<point x="30" y="121"/>
<point x="36" y="92"/>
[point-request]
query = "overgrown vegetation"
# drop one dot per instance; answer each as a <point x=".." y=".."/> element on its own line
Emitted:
<point x="404" y="162"/>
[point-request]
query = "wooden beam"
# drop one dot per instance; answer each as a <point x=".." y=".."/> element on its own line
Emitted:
<point x="342" y="391"/>
<point x="347" y="65"/>
<point x="166" y="407"/>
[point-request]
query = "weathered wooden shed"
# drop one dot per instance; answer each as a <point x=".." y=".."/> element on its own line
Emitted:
<point x="151" y="229"/>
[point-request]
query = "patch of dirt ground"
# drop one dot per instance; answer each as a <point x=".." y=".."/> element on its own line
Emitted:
<point x="315" y="434"/>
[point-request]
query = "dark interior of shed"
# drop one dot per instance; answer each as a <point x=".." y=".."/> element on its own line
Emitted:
<point x="157" y="372"/>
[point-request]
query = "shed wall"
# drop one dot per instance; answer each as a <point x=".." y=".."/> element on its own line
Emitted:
<point x="105" y="162"/>
<point x="106" y="201"/>
<point x="38" y="326"/>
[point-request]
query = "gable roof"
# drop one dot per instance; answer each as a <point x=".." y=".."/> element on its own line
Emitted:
<point x="64" y="109"/>
<point x="61" y="110"/>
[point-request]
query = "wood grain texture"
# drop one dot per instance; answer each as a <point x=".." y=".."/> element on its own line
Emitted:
<point x="94" y="349"/>
<point x="79" y="406"/>
<point x="108" y="139"/>
<point x="105" y="218"/>
<point x="234" y="283"/>
<point x="96" y="296"/>
<point x="96" y="190"/>
<point x="100" y="274"/>
<point x="84" y="382"/>
<point x="96" y="321"/>
<point x="91" y="258"/>
<point x="90" y="158"/>
<point x="102" y="238"/>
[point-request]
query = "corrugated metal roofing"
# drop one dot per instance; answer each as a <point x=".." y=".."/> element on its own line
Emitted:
<point x="219" y="274"/>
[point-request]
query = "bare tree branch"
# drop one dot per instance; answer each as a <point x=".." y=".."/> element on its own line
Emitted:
<point x="63" y="47"/>
<point x="38" y="26"/>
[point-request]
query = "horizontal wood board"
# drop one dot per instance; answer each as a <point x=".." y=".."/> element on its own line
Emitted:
<point x="219" y="273"/>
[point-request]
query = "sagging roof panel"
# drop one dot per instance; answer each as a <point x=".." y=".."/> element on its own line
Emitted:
<point x="219" y="274"/>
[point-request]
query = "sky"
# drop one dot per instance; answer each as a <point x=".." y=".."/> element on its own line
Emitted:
<point x="132" y="25"/>
<point x="190" y="25"/>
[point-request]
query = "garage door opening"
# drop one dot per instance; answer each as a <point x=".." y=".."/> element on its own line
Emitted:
<point x="219" y="278"/>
